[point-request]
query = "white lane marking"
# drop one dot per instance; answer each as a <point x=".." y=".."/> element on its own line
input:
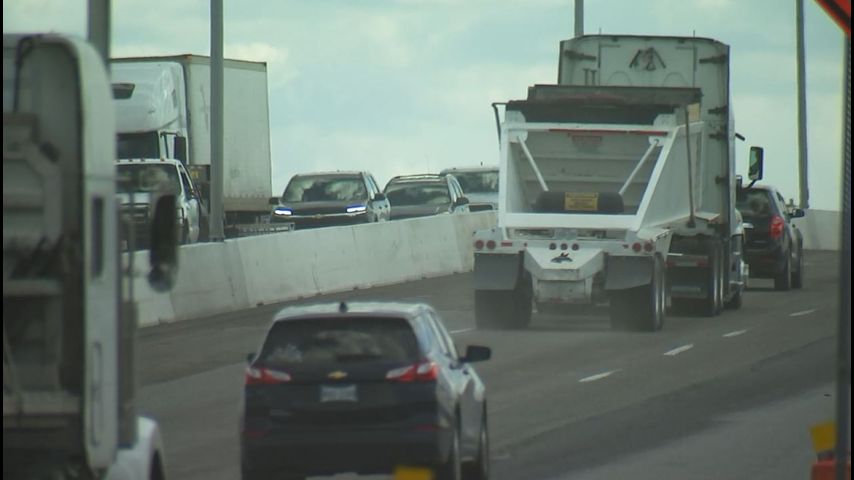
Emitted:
<point x="734" y="334"/>
<point x="678" y="350"/>
<point x="464" y="330"/>
<point x="598" y="376"/>
<point x="802" y="313"/>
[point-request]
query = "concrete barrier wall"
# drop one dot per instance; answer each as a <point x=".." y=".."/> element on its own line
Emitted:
<point x="821" y="229"/>
<point x="247" y="272"/>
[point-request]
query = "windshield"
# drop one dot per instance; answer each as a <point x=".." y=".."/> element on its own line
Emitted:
<point x="138" y="145"/>
<point x="325" y="189"/>
<point x="478" y="182"/>
<point x="410" y="194"/>
<point x="146" y="177"/>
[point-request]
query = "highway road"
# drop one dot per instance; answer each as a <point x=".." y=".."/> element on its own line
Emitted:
<point x="708" y="398"/>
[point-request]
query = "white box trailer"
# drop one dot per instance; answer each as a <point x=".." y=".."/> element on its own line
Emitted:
<point x="617" y="184"/>
<point x="163" y="110"/>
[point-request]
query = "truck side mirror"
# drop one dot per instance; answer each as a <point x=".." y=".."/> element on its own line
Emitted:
<point x="754" y="171"/>
<point x="163" y="256"/>
<point x="180" y="149"/>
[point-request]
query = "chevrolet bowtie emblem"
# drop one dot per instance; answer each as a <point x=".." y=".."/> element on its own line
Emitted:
<point x="337" y="375"/>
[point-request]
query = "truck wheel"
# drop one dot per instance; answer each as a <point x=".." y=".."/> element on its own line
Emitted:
<point x="713" y="303"/>
<point x="798" y="273"/>
<point x="783" y="280"/>
<point x="502" y="309"/>
<point x="185" y="234"/>
<point x="641" y="308"/>
<point x="737" y="299"/>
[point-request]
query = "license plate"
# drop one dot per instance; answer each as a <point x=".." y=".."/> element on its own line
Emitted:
<point x="330" y="393"/>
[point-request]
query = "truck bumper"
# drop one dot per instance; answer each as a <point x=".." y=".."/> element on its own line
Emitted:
<point x="563" y="276"/>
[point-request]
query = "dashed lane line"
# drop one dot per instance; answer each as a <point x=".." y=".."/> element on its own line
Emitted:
<point x="802" y="313"/>
<point x="678" y="350"/>
<point x="598" y="376"/>
<point x="734" y="334"/>
<point x="463" y="330"/>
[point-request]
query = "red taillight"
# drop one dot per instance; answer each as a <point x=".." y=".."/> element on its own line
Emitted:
<point x="777" y="224"/>
<point x="563" y="246"/>
<point x="490" y="244"/>
<point x="575" y="246"/>
<point x="265" y="376"/>
<point x="478" y="244"/>
<point x="420" y="372"/>
<point x="636" y="247"/>
<point x="647" y="247"/>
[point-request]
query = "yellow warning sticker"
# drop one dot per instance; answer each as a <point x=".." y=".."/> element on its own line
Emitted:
<point x="823" y="436"/>
<point x="586" y="202"/>
<point x="412" y="473"/>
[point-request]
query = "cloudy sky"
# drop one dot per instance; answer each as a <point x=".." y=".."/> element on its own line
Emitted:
<point x="405" y="86"/>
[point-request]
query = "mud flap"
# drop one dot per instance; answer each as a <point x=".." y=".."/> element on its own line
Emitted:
<point x="496" y="271"/>
<point x="627" y="272"/>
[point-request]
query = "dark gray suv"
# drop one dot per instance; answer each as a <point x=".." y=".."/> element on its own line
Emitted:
<point x="330" y="199"/>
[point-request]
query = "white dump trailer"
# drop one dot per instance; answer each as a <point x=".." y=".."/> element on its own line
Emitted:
<point x="618" y="184"/>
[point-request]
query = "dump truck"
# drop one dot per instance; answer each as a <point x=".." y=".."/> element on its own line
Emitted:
<point x="617" y="185"/>
<point x="69" y="409"/>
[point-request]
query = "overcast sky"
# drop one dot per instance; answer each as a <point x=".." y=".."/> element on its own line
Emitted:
<point x="405" y="86"/>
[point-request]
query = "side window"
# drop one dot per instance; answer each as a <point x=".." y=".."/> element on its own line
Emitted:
<point x="426" y="337"/>
<point x="185" y="181"/>
<point x="449" y="347"/>
<point x="374" y="187"/>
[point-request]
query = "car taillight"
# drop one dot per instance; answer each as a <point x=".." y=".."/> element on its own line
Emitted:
<point x="265" y="376"/>
<point x="478" y="244"/>
<point x="777" y="224"/>
<point x="420" y="372"/>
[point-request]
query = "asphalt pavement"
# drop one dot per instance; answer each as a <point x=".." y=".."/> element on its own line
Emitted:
<point x="728" y="397"/>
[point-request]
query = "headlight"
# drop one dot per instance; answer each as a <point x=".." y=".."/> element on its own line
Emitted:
<point x="357" y="209"/>
<point x="284" y="212"/>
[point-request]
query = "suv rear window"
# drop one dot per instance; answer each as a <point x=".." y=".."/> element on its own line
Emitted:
<point x="336" y="341"/>
<point x="754" y="203"/>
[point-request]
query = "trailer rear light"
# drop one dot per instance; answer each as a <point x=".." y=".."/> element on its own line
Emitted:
<point x="506" y="244"/>
<point x="636" y="247"/>
<point x="265" y="376"/>
<point x="563" y="246"/>
<point x="552" y="246"/>
<point x="478" y="244"/>
<point x="777" y="224"/>
<point x="420" y="372"/>
<point x="648" y="247"/>
<point x="575" y="246"/>
<point x="490" y="244"/>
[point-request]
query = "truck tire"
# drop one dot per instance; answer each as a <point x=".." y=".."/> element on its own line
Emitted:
<point x="798" y="273"/>
<point x="736" y="300"/>
<point x="641" y="309"/>
<point x="713" y="303"/>
<point x="503" y="309"/>
<point x="783" y="280"/>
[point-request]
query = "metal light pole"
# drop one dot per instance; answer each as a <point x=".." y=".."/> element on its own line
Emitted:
<point x="99" y="28"/>
<point x="217" y="128"/>
<point x="802" y="110"/>
<point x="843" y="336"/>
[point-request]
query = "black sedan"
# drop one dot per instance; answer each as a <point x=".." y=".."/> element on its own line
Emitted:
<point x="330" y="199"/>
<point x="774" y="247"/>
<point x="364" y="388"/>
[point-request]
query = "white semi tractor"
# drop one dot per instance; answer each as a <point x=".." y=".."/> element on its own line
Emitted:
<point x="69" y="408"/>
<point x="617" y="184"/>
<point x="163" y="111"/>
